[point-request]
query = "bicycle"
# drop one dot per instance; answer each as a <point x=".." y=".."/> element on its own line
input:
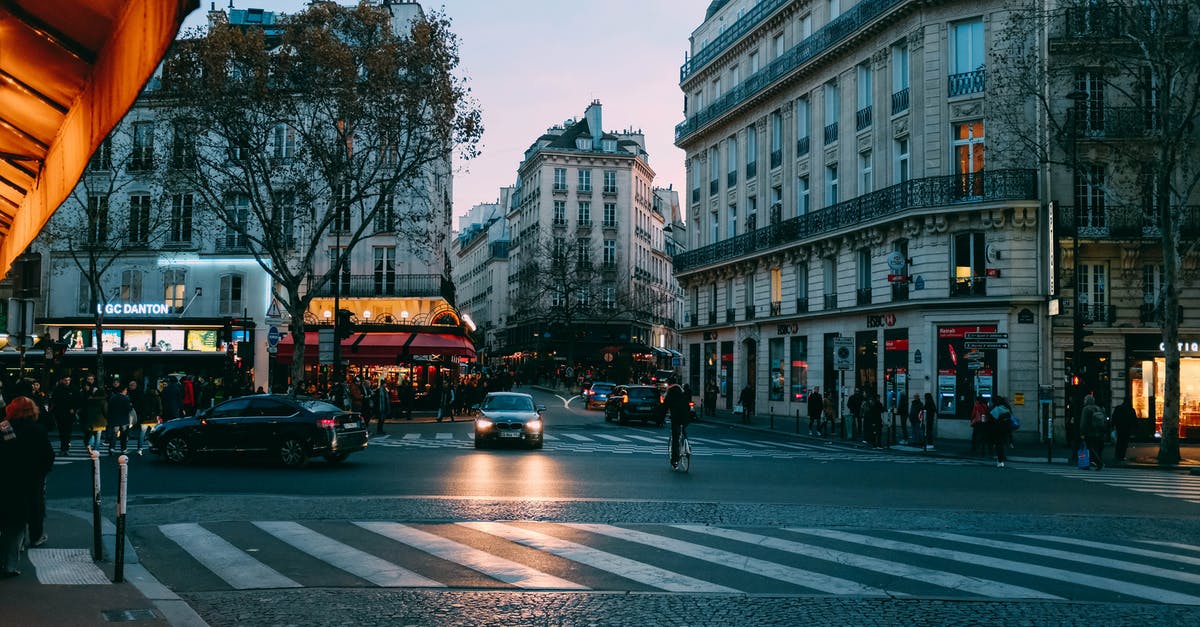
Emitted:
<point x="685" y="451"/>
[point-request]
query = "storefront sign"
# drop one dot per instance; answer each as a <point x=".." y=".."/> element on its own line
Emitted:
<point x="1025" y="316"/>
<point x="875" y="321"/>
<point x="895" y="345"/>
<point x="788" y="329"/>
<point x="133" y="309"/>
<point x="1184" y="347"/>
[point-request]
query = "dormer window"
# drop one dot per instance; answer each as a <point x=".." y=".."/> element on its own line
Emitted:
<point x="609" y="145"/>
<point x="583" y="143"/>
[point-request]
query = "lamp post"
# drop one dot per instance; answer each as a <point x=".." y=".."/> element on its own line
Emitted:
<point x="1078" y="99"/>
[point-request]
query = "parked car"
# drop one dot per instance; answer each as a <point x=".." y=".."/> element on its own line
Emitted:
<point x="634" y="402"/>
<point x="508" y="417"/>
<point x="597" y="394"/>
<point x="293" y="430"/>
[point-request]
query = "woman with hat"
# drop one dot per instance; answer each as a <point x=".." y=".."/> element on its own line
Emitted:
<point x="26" y="457"/>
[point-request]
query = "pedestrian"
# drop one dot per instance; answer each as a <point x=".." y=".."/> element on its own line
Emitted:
<point x="95" y="417"/>
<point x="406" y="394"/>
<point x="710" y="397"/>
<point x="26" y="457"/>
<point x="829" y="414"/>
<point x="172" y="399"/>
<point x="930" y="419"/>
<point x="445" y="400"/>
<point x="746" y="400"/>
<point x="149" y="411"/>
<point x="675" y="404"/>
<point x="381" y="404"/>
<point x="1123" y="419"/>
<point x="63" y="403"/>
<point x="204" y="393"/>
<point x="187" y="397"/>
<point x="1095" y="428"/>
<point x="816" y="405"/>
<point x="854" y="405"/>
<point x="997" y="423"/>
<point x="872" y="411"/>
<point x="916" y="413"/>
<point x="979" y="415"/>
<point x="119" y="416"/>
<point x="902" y="413"/>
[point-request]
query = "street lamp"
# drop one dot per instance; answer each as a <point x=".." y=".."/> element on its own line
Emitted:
<point x="1078" y="98"/>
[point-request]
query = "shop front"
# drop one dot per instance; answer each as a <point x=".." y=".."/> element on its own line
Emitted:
<point x="1147" y="370"/>
<point x="966" y="368"/>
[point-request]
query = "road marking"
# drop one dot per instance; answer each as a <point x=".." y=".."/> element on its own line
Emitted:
<point x="621" y="566"/>
<point x="796" y="576"/>
<point x="226" y="561"/>
<point x="612" y="438"/>
<point x="443" y="436"/>
<point x="493" y="566"/>
<point x="345" y="557"/>
<point x="1118" y="548"/>
<point x="577" y="437"/>
<point x="658" y="440"/>
<point x="974" y="585"/>
<point x="1065" y="576"/>
<point x="412" y="436"/>
<point x="1070" y="556"/>
<point x="1173" y="545"/>
<point x="549" y="438"/>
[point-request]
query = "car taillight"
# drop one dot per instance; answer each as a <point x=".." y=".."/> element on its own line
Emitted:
<point x="691" y="404"/>
<point x="327" y="423"/>
<point x="589" y="392"/>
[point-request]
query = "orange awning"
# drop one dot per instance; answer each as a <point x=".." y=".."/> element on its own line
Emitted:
<point x="382" y="348"/>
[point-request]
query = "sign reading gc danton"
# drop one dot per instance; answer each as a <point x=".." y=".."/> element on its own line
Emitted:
<point x="133" y="309"/>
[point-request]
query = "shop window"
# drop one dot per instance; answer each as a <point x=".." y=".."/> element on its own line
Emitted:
<point x="131" y="286"/>
<point x="775" y="369"/>
<point x="799" y="368"/>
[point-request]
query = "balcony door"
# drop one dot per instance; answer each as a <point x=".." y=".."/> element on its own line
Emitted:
<point x="385" y="271"/>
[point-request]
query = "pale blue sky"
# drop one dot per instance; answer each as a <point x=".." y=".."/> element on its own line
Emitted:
<point x="535" y="63"/>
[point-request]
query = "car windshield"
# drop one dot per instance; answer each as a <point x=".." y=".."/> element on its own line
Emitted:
<point x="318" y="407"/>
<point x="602" y="387"/>
<point x="643" y="394"/>
<point x="508" y="403"/>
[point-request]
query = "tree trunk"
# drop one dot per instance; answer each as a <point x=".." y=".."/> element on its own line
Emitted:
<point x="296" y="329"/>
<point x="99" y="339"/>
<point x="1168" y="447"/>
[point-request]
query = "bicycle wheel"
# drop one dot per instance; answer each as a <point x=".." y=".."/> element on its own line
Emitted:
<point x="685" y="454"/>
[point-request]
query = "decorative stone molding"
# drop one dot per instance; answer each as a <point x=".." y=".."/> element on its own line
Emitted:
<point x="831" y="155"/>
<point x="786" y="109"/>
<point x="912" y="228"/>
<point x="916" y="40"/>
<point x="1189" y="267"/>
<point x="777" y="177"/>
<point x="864" y="142"/>
<point x="966" y="110"/>
<point x="993" y="218"/>
<point x="880" y="59"/>
<point x="936" y="224"/>
<point x="900" y="126"/>
<point x="1068" y="262"/>
<point x="1130" y="255"/>
<point x="1024" y="217"/>
<point x="748" y="332"/>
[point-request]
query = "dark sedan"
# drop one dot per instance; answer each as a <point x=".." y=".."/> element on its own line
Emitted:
<point x="293" y="430"/>
<point x="508" y="417"/>
<point x="634" y="402"/>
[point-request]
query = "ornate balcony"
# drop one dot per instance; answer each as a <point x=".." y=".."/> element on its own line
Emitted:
<point x="900" y="101"/>
<point x="831" y="133"/>
<point x="802" y="146"/>
<point x="712" y="316"/>
<point x="965" y="83"/>
<point x="730" y="315"/>
<point x="749" y="312"/>
<point x="1122" y="221"/>
<point x="934" y="191"/>
<point x="1112" y="20"/>
<point x="1112" y="123"/>
<point x="862" y="296"/>
<point x="831" y="301"/>
<point x="776" y="307"/>
<point x="386" y="285"/>
<point x="802" y="305"/>
<point x="862" y="118"/>
<point x="743" y="25"/>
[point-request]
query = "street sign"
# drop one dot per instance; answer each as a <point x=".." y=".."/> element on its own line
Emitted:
<point x="987" y="346"/>
<point x="676" y="362"/>
<point x="325" y="346"/>
<point x="974" y="365"/>
<point x="273" y="310"/>
<point x="895" y="261"/>
<point x="843" y="353"/>
<point x="273" y="336"/>
<point x="976" y="335"/>
<point x="898" y="278"/>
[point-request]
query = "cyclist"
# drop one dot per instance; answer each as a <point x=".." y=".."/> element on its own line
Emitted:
<point x="676" y="405"/>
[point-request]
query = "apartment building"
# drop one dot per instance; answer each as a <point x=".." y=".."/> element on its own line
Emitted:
<point x="480" y="271"/>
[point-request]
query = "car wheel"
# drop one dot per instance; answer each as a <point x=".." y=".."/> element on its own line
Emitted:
<point x="293" y="453"/>
<point x="336" y="458"/>
<point x="177" y="450"/>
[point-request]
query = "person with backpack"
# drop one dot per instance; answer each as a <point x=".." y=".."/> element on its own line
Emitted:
<point x="999" y="424"/>
<point x="1094" y="426"/>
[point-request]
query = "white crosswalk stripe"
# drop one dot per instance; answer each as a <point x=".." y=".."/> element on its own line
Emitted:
<point x="1167" y="484"/>
<point x="679" y="558"/>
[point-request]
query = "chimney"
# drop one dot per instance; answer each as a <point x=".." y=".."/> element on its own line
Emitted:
<point x="592" y="114"/>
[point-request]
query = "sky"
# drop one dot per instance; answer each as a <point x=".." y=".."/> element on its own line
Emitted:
<point x="532" y="64"/>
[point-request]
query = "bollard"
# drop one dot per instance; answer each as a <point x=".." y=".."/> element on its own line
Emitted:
<point x="797" y="422"/>
<point x="97" y="548"/>
<point x="771" y="412"/>
<point x="119" y="552"/>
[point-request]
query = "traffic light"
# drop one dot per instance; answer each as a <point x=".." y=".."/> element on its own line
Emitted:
<point x="227" y="331"/>
<point x="345" y="327"/>
<point x="1082" y="332"/>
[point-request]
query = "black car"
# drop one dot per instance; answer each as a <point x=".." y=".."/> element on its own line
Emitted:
<point x="508" y="417"/>
<point x="635" y="402"/>
<point x="292" y="429"/>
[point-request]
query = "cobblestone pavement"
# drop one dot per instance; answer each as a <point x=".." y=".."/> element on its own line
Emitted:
<point x="369" y="608"/>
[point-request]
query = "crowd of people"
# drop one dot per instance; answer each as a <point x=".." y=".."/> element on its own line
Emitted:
<point x="381" y="398"/>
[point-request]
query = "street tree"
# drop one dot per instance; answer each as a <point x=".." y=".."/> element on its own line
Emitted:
<point x="1115" y="89"/>
<point x="331" y="121"/>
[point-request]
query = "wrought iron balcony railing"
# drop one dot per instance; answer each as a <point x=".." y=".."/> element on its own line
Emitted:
<point x="802" y="146"/>
<point x="969" y="286"/>
<point x="751" y="169"/>
<point x="743" y="25"/>
<point x="1112" y="122"/>
<point x="900" y="101"/>
<point x="831" y="133"/>
<point x="831" y="301"/>
<point x="934" y="191"/>
<point x="776" y="307"/>
<point x="1112" y="20"/>
<point x="749" y="312"/>
<point x="802" y="305"/>
<point x="385" y="285"/>
<point x="965" y="83"/>
<point x="1123" y="221"/>
<point x="862" y="296"/>
<point x="712" y="316"/>
<point x="899" y="292"/>
<point x="824" y="39"/>
<point x="1098" y="313"/>
<point x="730" y="315"/>
<point x="862" y="118"/>
<point x="1151" y="314"/>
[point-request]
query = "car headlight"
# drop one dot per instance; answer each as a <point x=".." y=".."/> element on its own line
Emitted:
<point x="534" y="425"/>
<point x="483" y="423"/>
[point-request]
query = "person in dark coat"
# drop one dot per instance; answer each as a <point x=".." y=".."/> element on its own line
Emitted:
<point x="854" y="405"/>
<point x="816" y="405"/>
<point x="930" y="419"/>
<point x="26" y="457"/>
<point x="915" y="411"/>
<point x="172" y="399"/>
<point x="64" y="405"/>
<point x="1124" y="418"/>
<point x="676" y="405"/>
<point x="148" y="406"/>
<point x="1094" y="428"/>
<point x="746" y="400"/>
<point x="119" y="420"/>
<point x="406" y="394"/>
<point x="872" y="411"/>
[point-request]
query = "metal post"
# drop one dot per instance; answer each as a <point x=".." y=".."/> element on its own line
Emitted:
<point x="338" y="377"/>
<point x="797" y="422"/>
<point x="1048" y="413"/>
<point x="119" y="547"/>
<point x="97" y="547"/>
<point x="771" y="413"/>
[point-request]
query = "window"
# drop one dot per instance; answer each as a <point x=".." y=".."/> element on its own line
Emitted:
<point x="831" y="184"/>
<point x="583" y="251"/>
<point x="283" y="142"/>
<point x="802" y="199"/>
<point x="1089" y="112"/>
<point x="804" y="28"/>
<point x="803" y="121"/>
<point x="831" y="112"/>
<point x="339" y="281"/>
<point x="968" y="46"/>
<point x="901" y="172"/>
<point x="731" y="159"/>
<point x="556" y="298"/>
<point x="183" y="147"/>
<point x="835" y="9"/>
<point x="776" y="139"/>
<point x="776" y="366"/>
<point x="131" y="286"/>
<point x="1092" y="292"/>
<point x="239" y="148"/>
<point x="829" y="275"/>
<point x="610" y="298"/>
<point x="85" y="296"/>
<point x="863" y="295"/>
<point x="585" y="212"/>
<point x="697" y="101"/>
<point x="385" y="214"/>
<point x="754" y="63"/>
<point x="585" y="181"/>
<point x="384" y="270"/>
<point x="729" y="305"/>
<point x="560" y="179"/>
<point x="751" y="213"/>
<point x="1152" y="289"/>
<point x="734" y="76"/>
<point x="139" y="219"/>
<point x="610" y="214"/>
<point x="142" y="157"/>
<point x="863" y="85"/>
<point x="1089" y="196"/>
<point x="749" y="294"/>
<point x="866" y="173"/>
<point x="610" y="252"/>
<point x="899" y="67"/>
<point x="181" y="219"/>
<point x="235" y="226"/>
<point x="716" y="88"/>
<point x="733" y="216"/>
<point x="696" y="178"/>
<point x="714" y="170"/>
<point x="558" y="251"/>
<point x="560" y="212"/>
<point x="776" y="204"/>
<point x="714" y="226"/>
<point x="97" y="225"/>
<point x="968" y="158"/>
<point x="799" y="368"/>
<point x="801" y="270"/>
<point x="174" y="290"/>
<point x="751" y="152"/>
<point x="341" y="221"/>
<point x="610" y="181"/>
<point x="776" y="285"/>
<point x="101" y="160"/>
<point x="969" y="265"/>
<point x="777" y="45"/>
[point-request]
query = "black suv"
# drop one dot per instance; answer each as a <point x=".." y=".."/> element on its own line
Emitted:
<point x="634" y="402"/>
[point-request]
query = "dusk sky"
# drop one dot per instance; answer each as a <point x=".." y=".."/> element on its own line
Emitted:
<point x="535" y="63"/>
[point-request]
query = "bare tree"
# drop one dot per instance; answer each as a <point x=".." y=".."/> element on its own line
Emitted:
<point x="318" y="127"/>
<point x="1115" y="88"/>
<point x="117" y="212"/>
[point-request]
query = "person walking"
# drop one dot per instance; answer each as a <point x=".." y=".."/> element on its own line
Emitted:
<point x="854" y="406"/>
<point x="26" y="457"/>
<point x="997" y="423"/>
<point x="119" y="418"/>
<point x="872" y="411"/>
<point x="979" y="418"/>
<point x="64" y="404"/>
<point x="172" y="399"/>
<point x="746" y="400"/>
<point x="829" y="414"/>
<point x="710" y="398"/>
<point x="1123" y="418"/>
<point x="816" y="405"/>
<point x="930" y="419"/>
<point x="675" y="405"/>
<point x="405" y="394"/>
<point x="381" y="403"/>
<point x="149" y="413"/>
<point x="902" y="414"/>
<point x="916" y="414"/>
<point x="95" y="416"/>
<point x="1095" y="430"/>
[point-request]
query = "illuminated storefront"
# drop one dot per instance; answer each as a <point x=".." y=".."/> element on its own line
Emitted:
<point x="1147" y="370"/>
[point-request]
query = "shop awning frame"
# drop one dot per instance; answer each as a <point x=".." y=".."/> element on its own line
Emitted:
<point x="383" y="348"/>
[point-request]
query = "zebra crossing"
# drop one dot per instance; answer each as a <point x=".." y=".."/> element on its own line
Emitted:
<point x="637" y="444"/>
<point x="1173" y="485"/>
<point x="675" y="558"/>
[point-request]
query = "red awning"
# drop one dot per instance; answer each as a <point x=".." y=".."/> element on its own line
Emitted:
<point x="381" y="349"/>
